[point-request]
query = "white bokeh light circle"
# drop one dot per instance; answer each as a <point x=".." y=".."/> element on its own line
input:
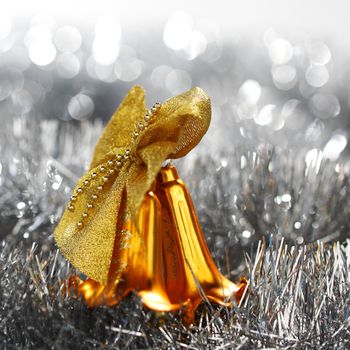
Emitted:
<point x="42" y="52"/>
<point x="317" y="76"/>
<point x="335" y="147"/>
<point x="81" y="106"/>
<point x="178" y="30"/>
<point x="106" y="45"/>
<point x="250" y="91"/>
<point x="68" y="39"/>
<point x="67" y="65"/>
<point x="280" y="51"/>
<point x="178" y="81"/>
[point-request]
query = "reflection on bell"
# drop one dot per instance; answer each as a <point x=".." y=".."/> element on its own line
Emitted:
<point x="189" y="264"/>
<point x="168" y="262"/>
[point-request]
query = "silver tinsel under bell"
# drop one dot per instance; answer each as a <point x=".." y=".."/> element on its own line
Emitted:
<point x="259" y="211"/>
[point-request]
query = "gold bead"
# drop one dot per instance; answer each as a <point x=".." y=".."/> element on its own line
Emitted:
<point x="118" y="164"/>
<point x="85" y="215"/>
<point x="100" y="188"/>
<point x="73" y="199"/>
<point x="80" y="190"/>
<point x="119" y="157"/>
<point x="111" y="171"/>
<point x="150" y="113"/>
<point x="105" y="178"/>
<point x="71" y="207"/>
<point x="94" y="196"/>
<point x="127" y="151"/>
<point x="80" y="224"/>
<point x="154" y="110"/>
<point x="110" y="163"/>
<point x="135" y="134"/>
<point x="157" y="105"/>
<point x="140" y="126"/>
<point x="126" y="157"/>
<point x="90" y="206"/>
<point x="86" y="182"/>
<point x="102" y="169"/>
<point x="94" y="175"/>
<point x="147" y="118"/>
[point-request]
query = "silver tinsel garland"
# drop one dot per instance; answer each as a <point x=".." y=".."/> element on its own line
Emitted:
<point x="270" y="180"/>
<point x="260" y="209"/>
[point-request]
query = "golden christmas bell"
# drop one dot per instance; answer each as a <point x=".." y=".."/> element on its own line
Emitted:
<point x="131" y="224"/>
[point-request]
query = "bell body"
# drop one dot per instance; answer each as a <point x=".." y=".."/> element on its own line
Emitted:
<point x="165" y="258"/>
<point x="193" y="273"/>
<point x="140" y="259"/>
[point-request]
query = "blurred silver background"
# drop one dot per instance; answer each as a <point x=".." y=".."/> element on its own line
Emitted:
<point x="275" y="70"/>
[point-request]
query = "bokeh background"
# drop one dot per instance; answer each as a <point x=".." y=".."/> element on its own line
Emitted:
<point x="273" y="167"/>
<point x="275" y="70"/>
<point x="278" y="75"/>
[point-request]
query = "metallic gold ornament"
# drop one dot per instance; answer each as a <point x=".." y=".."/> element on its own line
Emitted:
<point x="188" y="262"/>
<point x="130" y="224"/>
<point x="173" y="129"/>
<point x="164" y="258"/>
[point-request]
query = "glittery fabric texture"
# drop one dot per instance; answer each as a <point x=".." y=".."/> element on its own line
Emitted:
<point x="88" y="227"/>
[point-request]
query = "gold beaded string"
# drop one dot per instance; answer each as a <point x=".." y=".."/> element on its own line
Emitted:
<point x="109" y="168"/>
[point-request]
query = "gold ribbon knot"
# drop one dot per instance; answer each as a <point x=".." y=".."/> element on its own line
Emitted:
<point x="126" y="161"/>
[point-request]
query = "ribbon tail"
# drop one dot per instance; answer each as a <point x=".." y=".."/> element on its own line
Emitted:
<point x="90" y="248"/>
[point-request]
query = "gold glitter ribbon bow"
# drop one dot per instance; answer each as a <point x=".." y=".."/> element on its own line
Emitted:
<point x="126" y="161"/>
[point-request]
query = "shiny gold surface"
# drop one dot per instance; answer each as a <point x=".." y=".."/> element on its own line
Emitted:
<point x="130" y="224"/>
<point x="124" y="166"/>
<point x="188" y="260"/>
<point x="168" y="263"/>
